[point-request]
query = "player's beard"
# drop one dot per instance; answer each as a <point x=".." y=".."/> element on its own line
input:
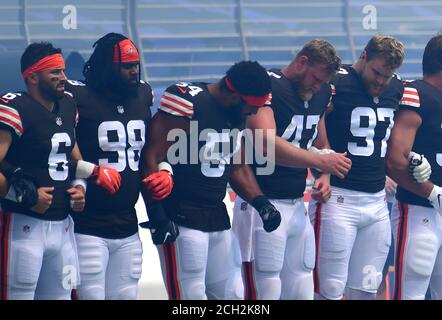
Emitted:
<point x="303" y="92"/>
<point x="306" y="95"/>
<point x="123" y="88"/>
<point x="49" y="91"/>
<point x="371" y="89"/>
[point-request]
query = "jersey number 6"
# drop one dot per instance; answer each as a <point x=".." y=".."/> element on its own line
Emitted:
<point x="58" y="168"/>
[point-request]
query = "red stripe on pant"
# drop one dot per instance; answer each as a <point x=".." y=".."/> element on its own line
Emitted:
<point x="74" y="294"/>
<point x="5" y="219"/>
<point x="317" y="234"/>
<point x="173" y="289"/>
<point x="249" y="283"/>
<point x="175" y="272"/>
<point x="401" y="240"/>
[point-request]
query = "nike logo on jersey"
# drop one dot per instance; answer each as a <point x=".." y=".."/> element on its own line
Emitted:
<point x="183" y="91"/>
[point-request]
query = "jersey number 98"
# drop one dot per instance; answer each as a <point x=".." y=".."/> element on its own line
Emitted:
<point x="127" y="143"/>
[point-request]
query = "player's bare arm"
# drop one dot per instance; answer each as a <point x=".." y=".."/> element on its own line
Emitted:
<point x="155" y="150"/>
<point x="243" y="182"/>
<point x="406" y="124"/>
<point x="162" y="229"/>
<point x="76" y="154"/>
<point x="321" y="190"/>
<point x="156" y="147"/>
<point x="321" y="141"/>
<point x="78" y="190"/>
<point x="156" y="172"/>
<point x="290" y="156"/>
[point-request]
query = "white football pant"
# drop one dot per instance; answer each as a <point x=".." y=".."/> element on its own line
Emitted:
<point x="38" y="258"/>
<point x="353" y="236"/>
<point x="202" y="265"/>
<point x="417" y="232"/>
<point x="279" y="264"/>
<point x="109" y="268"/>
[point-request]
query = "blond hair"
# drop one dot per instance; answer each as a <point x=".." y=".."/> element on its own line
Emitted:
<point x="320" y="51"/>
<point x="387" y="48"/>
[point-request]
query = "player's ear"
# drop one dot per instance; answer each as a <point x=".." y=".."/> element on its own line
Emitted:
<point x="301" y="62"/>
<point x="363" y="55"/>
<point x="32" y="78"/>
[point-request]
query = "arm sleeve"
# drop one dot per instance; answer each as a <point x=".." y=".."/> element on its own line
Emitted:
<point x="176" y="101"/>
<point x="10" y="120"/>
<point x="410" y="100"/>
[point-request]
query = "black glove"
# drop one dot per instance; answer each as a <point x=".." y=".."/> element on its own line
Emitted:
<point x="271" y="218"/>
<point x="161" y="228"/>
<point x="22" y="188"/>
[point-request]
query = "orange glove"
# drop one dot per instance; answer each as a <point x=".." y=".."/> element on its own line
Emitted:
<point x="106" y="177"/>
<point x="160" y="184"/>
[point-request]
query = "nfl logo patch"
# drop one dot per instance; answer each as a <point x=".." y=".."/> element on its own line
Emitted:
<point x="340" y="199"/>
<point x="120" y="109"/>
<point x="58" y="121"/>
<point x="26" y="229"/>
<point x="243" y="206"/>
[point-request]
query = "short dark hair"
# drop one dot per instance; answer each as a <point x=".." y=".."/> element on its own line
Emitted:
<point x="98" y="70"/>
<point x="432" y="59"/>
<point x="319" y="51"/>
<point x="35" y="52"/>
<point x="249" y="78"/>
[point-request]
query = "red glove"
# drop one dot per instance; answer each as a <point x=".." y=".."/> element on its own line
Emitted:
<point x="160" y="184"/>
<point x="107" y="178"/>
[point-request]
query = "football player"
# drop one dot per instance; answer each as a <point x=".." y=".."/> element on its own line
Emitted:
<point x="279" y="264"/>
<point x="199" y="254"/>
<point x="353" y="228"/>
<point x="416" y="217"/>
<point x="114" y="110"/>
<point x="37" y="141"/>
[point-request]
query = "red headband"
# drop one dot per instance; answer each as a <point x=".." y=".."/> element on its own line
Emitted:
<point x="129" y="52"/>
<point x="252" y="100"/>
<point x="54" y="61"/>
